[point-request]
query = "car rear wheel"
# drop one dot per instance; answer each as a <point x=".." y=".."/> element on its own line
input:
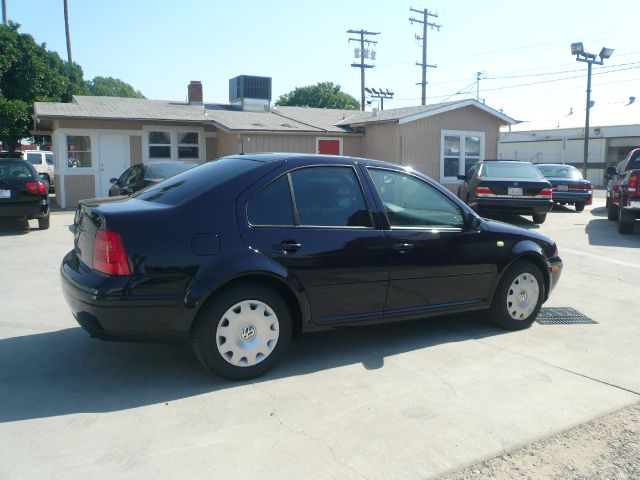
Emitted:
<point x="579" y="206"/>
<point x="626" y="221"/>
<point x="539" y="217"/>
<point x="243" y="332"/>
<point x="519" y="296"/>
<point x="43" y="223"/>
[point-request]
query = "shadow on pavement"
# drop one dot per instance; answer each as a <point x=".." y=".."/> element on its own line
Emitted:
<point x="604" y="232"/>
<point x="13" y="226"/>
<point x="66" y="372"/>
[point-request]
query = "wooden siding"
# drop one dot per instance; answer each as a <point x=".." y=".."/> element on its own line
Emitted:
<point x="100" y="124"/>
<point x="228" y="144"/>
<point x="381" y="142"/>
<point x="232" y="143"/>
<point x="135" y="149"/>
<point x="78" y="187"/>
<point x="211" y="149"/>
<point x="421" y="139"/>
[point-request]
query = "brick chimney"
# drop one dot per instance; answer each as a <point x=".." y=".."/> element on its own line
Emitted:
<point x="194" y="92"/>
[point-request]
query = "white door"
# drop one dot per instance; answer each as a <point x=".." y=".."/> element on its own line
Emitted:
<point x="114" y="159"/>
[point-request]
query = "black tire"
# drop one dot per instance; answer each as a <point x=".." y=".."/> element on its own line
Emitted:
<point x="43" y="223"/>
<point x="500" y="309"/>
<point x="579" y="206"/>
<point x="626" y="221"/>
<point x="612" y="211"/>
<point x="539" y="218"/>
<point x="205" y="331"/>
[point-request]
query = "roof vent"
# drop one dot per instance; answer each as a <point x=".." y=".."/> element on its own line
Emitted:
<point x="250" y="93"/>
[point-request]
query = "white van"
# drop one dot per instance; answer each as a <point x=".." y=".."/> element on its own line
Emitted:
<point x="42" y="161"/>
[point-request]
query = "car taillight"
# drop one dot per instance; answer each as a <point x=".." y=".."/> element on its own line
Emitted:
<point x="36" y="187"/>
<point x="545" y="193"/>
<point x="581" y="186"/>
<point x="633" y="183"/>
<point x="109" y="256"/>
<point x="483" y="192"/>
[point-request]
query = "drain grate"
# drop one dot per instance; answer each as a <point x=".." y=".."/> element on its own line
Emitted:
<point x="563" y="316"/>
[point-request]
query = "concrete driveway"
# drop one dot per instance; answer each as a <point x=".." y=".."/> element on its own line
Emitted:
<point x="405" y="401"/>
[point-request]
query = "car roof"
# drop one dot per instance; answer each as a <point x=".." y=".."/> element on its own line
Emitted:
<point x="318" y="159"/>
<point x="14" y="161"/>
<point x="553" y="165"/>
<point x="504" y="161"/>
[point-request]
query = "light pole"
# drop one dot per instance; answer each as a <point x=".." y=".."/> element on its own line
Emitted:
<point x="577" y="49"/>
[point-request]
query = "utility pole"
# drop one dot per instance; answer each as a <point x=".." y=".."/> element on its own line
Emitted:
<point x="66" y="26"/>
<point x="424" y="65"/>
<point x="363" y="53"/>
<point x="4" y="12"/>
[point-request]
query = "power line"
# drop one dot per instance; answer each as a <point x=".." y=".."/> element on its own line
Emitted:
<point x="424" y="65"/>
<point x="363" y="53"/>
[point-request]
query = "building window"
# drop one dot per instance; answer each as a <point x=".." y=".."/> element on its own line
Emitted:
<point x="78" y="151"/>
<point x="188" y="146"/>
<point x="460" y="150"/>
<point x="159" y="145"/>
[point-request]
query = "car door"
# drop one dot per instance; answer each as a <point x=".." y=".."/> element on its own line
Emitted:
<point x="435" y="260"/>
<point x="316" y="222"/>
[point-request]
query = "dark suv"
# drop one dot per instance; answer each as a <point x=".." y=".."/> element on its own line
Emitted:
<point x="238" y="254"/>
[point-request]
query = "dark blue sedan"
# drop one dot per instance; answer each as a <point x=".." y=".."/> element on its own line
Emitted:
<point x="568" y="185"/>
<point x="239" y="254"/>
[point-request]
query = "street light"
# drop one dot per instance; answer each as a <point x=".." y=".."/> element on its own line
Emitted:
<point x="577" y="49"/>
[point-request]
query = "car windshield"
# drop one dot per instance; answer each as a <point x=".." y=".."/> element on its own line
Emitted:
<point x="510" y="170"/>
<point x="13" y="170"/>
<point x="34" y="158"/>
<point x="168" y="170"/>
<point x="560" y="171"/>
<point x="188" y="185"/>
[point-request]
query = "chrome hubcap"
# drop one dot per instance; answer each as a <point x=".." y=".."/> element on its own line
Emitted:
<point x="247" y="333"/>
<point x="522" y="296"/>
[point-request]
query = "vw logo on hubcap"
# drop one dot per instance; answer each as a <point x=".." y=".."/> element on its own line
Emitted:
<point x="523" y="296"/>
<point x="247" y="333"/>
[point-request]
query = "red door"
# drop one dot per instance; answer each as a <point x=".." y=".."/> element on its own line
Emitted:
<point x="329" y="147"/>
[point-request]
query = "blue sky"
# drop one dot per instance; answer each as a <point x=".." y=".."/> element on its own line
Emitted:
<point x="159" y="46"/>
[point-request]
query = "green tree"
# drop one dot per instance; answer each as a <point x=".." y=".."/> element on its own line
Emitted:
<point x="30" y="73"/>
<point x="322" y="95"/>
<point x="112" y="87"/>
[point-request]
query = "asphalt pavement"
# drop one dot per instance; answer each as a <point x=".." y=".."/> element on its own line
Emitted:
<point x="408" y="401"/>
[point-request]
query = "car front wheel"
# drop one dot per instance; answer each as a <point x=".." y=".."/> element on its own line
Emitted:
<point x="519" y="296"/>
<point x="243" y="332"/>
<point x="579" y="206"/>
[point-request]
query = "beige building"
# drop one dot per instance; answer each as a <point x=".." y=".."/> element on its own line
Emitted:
<point x="97" y="138"/>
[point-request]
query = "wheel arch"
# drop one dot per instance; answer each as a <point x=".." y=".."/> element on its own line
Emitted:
<point x="529" y="250"/>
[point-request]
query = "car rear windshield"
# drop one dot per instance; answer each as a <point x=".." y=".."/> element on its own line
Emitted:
<point x="168" y="170"/>
<point x="560" y="171"/>
<point x="188" y="185"/>
<point x="510" y="170"/>
<point x="13" y="170"/>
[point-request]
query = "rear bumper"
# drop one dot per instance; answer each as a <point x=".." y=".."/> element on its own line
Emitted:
<point x="571" y="196"/>
<point x="106" y="308"/>
<point x="30" y="210"/>
<point x="514" y="206"/>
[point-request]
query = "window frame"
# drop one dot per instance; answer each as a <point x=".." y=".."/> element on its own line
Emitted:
<point x="67" y="168"/>
<point x="296" y="218"/>
<point x="409" y="173"/>
<point x="174" y="134"/>
<point x="461" y="134"/>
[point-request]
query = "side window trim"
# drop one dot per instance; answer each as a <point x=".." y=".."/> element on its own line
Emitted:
<point x="436" y="228"/>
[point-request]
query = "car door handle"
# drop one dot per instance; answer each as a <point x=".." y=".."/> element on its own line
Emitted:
<point x="402" y="247"/>
<point x="287" y="246"/>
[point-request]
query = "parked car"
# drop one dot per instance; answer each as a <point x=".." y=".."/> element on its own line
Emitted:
<point x="623" y="192"/>
<point x="141" y="176"/>
<point x="238" y="254"/>
<point x="568" y="185"/>
<point x="22" y="193"/>
<point x="43" y="161"/>
<point x="507" y="187"/>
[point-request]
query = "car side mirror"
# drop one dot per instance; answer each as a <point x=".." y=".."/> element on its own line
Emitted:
<point x="462" y="177"/>
<point x="113" y="180"/>
<point x="473" y="221"/>
<point x="611" y="172"/>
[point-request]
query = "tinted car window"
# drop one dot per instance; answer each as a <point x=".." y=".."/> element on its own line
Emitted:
<point x="34" y="158"/>
<point x="510" y="170"/>
<point x="167" y="170"/>
<point x="329" y="197"/>
<point x="187" y="185"/>
<point x="560" y="171"/>
<point x="272" y="205"/>
<point x="12" y="170"/>
<point x="411" y="202"/>
<point x="49" y="158"/>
